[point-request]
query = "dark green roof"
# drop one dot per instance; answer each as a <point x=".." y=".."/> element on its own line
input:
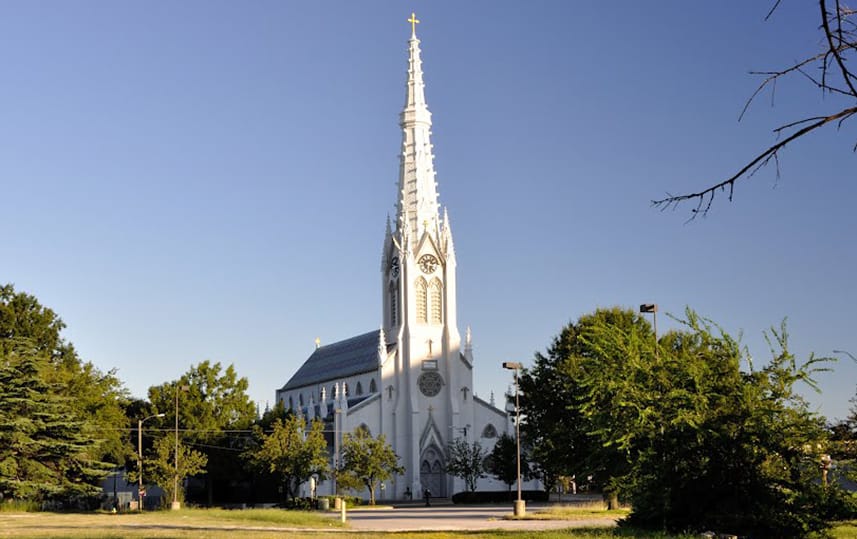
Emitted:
<point x="338" y="360"/>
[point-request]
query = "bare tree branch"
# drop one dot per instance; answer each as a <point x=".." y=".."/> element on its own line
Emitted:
<point x="840" y="37"/>
<point x="706" y="196"/>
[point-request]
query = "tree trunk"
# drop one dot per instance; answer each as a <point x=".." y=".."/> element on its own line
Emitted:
<point x="612" y="499"/>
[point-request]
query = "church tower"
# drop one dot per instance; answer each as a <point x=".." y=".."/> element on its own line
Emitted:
<point x="411" y="380"/>
<point x="428" y="386"/>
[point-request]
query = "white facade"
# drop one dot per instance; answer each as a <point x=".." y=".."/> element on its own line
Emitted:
<point x="411" y="380"/>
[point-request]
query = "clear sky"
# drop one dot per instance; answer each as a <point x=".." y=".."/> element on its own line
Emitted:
<point x="196" y="180"/>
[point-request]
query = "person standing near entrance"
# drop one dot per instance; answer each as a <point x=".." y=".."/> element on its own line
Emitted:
<point x="427" y="496"/>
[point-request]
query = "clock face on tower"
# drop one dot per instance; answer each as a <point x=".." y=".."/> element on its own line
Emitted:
<point x="427" y="263"/>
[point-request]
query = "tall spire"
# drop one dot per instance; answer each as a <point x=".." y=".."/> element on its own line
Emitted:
<point x="418" y="202"/>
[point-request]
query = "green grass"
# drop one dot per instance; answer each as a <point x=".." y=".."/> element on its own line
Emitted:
<point x="270" y="524"/>
<point x="573" y="512"/>
<point x="18" y="506"/>
<point x="845" y="530"/>
<point x="258" y="517"/>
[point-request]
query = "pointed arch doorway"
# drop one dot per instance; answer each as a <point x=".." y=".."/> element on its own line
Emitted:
<point x="432" y="474"/>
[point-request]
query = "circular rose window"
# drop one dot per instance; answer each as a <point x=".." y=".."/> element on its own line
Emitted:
<point x="430" y="383"/>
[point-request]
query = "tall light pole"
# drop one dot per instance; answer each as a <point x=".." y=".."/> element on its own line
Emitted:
<point x="140" y="457"/>
<point x="520" y="505"/>
<point x="176" y="505"/>
<point x="652" y="308"/>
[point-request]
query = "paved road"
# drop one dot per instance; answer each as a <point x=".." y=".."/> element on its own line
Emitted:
<point x="456" y="517"/>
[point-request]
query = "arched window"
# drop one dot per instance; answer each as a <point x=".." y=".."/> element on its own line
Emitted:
<point x="373" y="388"/>
<point x="394" y="305"/>
<point x="422" y="292"/>
<point x="291" y="404"/>
<point x="489" y="431"/>
<point x="436" y="302"/>
<point x="359" y="389"/>
<point x="301" y="399"/>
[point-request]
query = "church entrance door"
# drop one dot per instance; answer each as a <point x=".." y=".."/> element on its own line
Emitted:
<point x="431" y="472"/>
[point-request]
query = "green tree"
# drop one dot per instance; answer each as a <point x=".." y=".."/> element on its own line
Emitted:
<point x="291" y="453"/>
<point x="557" y="425"/>
<point x="368" y="460"/>
<point x="212" y="402"/>
<point x="45" y="453"/>
<point x="842" y="464"/>
<point x="161" y="466"/>
<point x="691" y="440"/>
<point x="89" y="399"/>
<point x="466" y="461"/>
<point x="503" y="461"/>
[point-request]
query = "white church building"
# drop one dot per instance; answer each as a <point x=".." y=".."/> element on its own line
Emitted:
<point x="412" y="379"/>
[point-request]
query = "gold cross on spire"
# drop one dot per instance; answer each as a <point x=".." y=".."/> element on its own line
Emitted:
<point x="414" y="22"/>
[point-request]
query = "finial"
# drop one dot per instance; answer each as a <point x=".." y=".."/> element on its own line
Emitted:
<point x="414" y="22"/>
<point x="317" y="343"/>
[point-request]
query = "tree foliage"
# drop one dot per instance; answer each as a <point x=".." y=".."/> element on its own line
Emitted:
<point x="291" y="453"/>
<point x="828" y="69"/>
<point x="63" y="419"/>
<point x="45" y="453"/>
<point x="555" y="422"/>
<point x="466" y="461"/>
<point x="160" y="466"/>
<point x="503" y="461"/>
<point x="212" y="402"/>
<point x="680" y="431"/>
<point x="367" y="461"/>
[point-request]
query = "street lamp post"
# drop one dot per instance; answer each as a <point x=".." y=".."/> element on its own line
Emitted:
<point x="652" y="308"/>
<point x="140" y="457"/>
<point x="520" y="505"/>
<point x="176" y="504"/>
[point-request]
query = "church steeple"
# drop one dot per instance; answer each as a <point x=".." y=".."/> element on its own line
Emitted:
<point x="418" y="200"/>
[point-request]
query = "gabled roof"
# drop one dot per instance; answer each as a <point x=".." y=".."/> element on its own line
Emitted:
<point x="338" y="360"/>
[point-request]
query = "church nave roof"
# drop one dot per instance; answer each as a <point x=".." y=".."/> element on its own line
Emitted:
<point x="339" y="360"/>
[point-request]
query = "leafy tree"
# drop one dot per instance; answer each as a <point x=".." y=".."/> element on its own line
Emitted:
<point x="503" y="461"/>
<point x="88" y="399"/>
<point x="291" y="453"/>
<point x="279" y="411"/>
<point x="212" y="402"/>
<point x="829" y="69"/>
<point x="843" y="452"/>
<point x="466" y="461"/>
<point x="691" y="440"/>
<point x="161" y="465"/>
<point x="101" y="398"/>
<point x="556" y="422"/>
<point x="368" y="460"/>
<point x="45" y="453"/>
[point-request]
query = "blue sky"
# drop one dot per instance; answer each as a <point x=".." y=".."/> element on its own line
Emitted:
<point x="209" y="180"/>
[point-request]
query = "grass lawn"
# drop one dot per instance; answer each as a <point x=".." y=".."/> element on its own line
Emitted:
<point x="214" y="523"/>
<point x="271" y="523"/>
<point x="845" y="530"/>
<point x="572" y="512"/>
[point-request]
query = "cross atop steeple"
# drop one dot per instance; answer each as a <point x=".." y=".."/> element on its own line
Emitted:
<point x="414" y="22"/>
<point x="418" y="200"/>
